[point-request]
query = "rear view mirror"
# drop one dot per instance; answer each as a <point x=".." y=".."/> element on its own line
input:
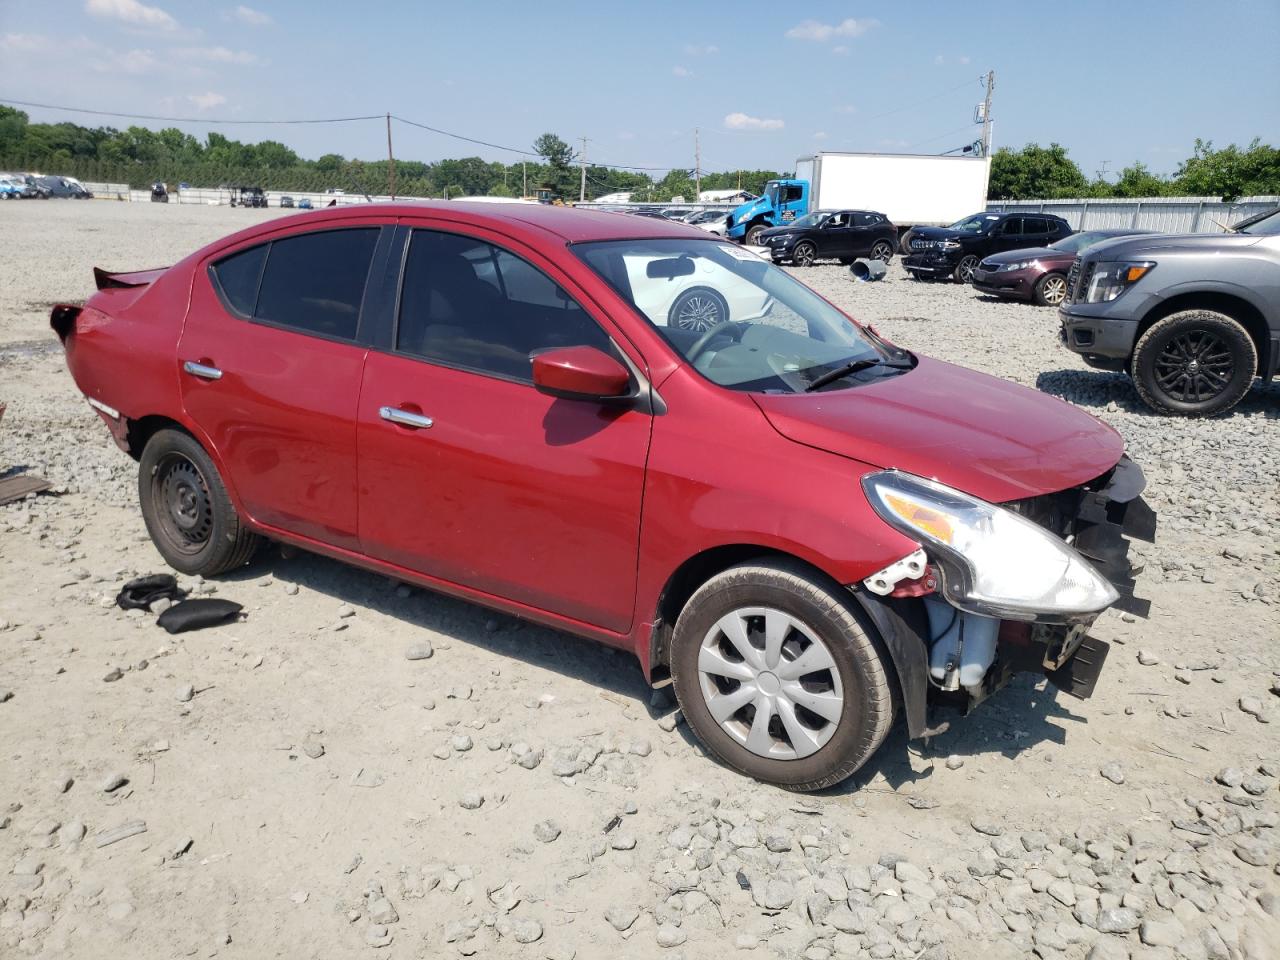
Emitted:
<point x="669" y="268"/>
<point x="580" y="373"/>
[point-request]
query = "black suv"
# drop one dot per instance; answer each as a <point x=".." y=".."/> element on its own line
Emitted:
<point x="842" y="235"/>
<point x="955" y="251"/>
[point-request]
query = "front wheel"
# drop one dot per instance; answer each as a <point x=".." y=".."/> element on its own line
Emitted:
<point x="752" y="239"/>
<point x="1194" y="363"/>
<point x="1051" y="290"/>
<point x="188" y="512"/>
<point x="882" y="250"/>
<point x="965" y="268"/>
<point x="804" y="254"/>
<point x="697" y="310"/>
<point x="779" y="677"/>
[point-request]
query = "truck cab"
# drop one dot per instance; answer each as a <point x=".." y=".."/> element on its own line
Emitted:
<point x="782" y="202"/>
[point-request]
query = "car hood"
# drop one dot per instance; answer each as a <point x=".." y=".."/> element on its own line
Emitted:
<point x="1126" y="247"/>
<point x="988" y="437"/>
<point x="782" y="231"/>
<point x="1029" y="253"/>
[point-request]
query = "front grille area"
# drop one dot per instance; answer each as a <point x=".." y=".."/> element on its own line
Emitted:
<point x="1078" y="280"/>
<point x="924" y="244"/>
<point x="1073" y="277"/>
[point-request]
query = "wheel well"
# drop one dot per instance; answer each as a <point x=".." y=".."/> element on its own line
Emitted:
<point x="1242" y="311"/>
<point x="691" y="575"/>
<point x="144" y="428"/>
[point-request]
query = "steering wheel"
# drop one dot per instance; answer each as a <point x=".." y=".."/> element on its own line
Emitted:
<point x="701" y="343"/>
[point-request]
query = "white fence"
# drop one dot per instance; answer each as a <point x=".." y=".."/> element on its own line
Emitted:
<point x="209" y="196"/>
<point x="1158" y="214"/>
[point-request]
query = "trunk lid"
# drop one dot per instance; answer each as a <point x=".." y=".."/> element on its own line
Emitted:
<point x="988" y="437"/>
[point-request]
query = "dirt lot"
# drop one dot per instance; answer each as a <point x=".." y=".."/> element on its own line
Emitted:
<point x="308" y="791"/>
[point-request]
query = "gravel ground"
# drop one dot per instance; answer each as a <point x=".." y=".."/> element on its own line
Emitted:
<point x="363" y="768"/>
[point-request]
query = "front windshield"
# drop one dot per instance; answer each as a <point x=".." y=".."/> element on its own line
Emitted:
<point x="978" y="223"/>
<point x="771" y="191"/>
<point x="740" y="321"/>
<point x="1266" y="227"/>
<point x="814" y="219"/>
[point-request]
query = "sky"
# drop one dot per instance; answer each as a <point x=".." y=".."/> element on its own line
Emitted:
<point x="763" y="83"/>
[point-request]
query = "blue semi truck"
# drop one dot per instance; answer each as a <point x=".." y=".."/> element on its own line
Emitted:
<point x="910" y="189"/>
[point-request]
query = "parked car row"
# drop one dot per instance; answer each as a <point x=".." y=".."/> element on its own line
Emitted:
<point x="31" y="186"/>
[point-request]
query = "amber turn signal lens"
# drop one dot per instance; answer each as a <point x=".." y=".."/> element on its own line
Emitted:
<point x="922" y="518"/>
<point x="1136" y="273"/>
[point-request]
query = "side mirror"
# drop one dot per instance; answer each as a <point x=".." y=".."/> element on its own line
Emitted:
<point x="580" y="373"/>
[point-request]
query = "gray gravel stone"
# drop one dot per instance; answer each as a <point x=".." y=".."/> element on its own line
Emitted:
<point x="422" y="650"/>
<point x="670" y="936"/>
<point x="112" y="782"/>
<point x="622" y="916"/>
<point x="546" y="831"/>
<point x="184" y="693"/>
<point x="1112" y="771"/>
<point x="1118" y="920"/>
<point x="987" y="826"/>
<point x="471" y="801"/>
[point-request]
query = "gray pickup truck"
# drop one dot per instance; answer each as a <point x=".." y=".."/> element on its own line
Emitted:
<point x="1192" y="318"/>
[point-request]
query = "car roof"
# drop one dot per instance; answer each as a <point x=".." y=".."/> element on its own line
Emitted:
<point x="568" y="223"/>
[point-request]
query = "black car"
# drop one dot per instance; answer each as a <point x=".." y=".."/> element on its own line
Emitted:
<point x="159" y="193"/>
<point x="286" y="201"/>
<point x="843" y="235"/>
<point x="955" y="251"/>
<point x="61" y="187"/>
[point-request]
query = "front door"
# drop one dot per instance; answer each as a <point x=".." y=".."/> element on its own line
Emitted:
<point x="469" y="474"/>
<point x="836" y="236"/>
<point x="270" y="362"/>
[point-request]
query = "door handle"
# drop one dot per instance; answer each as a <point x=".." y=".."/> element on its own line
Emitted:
<point x="201" y="370"/>
<point x="406" y="418"/>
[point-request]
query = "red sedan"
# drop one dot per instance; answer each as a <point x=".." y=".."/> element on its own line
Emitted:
<point x="805" y="527"/>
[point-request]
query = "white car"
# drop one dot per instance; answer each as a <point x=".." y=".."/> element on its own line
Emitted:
<point x="697" y="302"/>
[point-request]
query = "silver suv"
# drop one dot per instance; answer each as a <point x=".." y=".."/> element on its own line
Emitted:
<point x="1192" y="319"/>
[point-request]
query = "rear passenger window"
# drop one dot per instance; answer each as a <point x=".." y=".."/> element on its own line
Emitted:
<point x="315" y="282"/>
<point x="1012" y="227"/>
<point x="1036" y="225"/>
<point x="238" y="277"/>
<point x="469" y="304"/>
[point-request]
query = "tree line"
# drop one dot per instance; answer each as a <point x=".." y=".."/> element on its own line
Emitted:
<point x="140" y="156"/>
<point x="1046" y="173"/>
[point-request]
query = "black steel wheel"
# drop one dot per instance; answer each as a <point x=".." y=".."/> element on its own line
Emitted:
<point x="188" y="512"/>
<point x="804" y="254"/>
<point x="1194" y="363"/>
<point x="752" y="238"/>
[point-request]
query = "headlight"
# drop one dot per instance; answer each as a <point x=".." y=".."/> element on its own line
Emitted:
<point x="1020" y="265"/>
<point x="1110" y="279"/>
<point x="991" y="560"/>
<point x="950" y="244"/>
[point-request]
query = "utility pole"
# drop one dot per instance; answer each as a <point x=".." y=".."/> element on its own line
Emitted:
<point x="1102" y="173"/>
<point x="697" y="167"/>
<point x="582" y="162"/>
<point x="391" y="160"/>
<point x="986" y="114"/>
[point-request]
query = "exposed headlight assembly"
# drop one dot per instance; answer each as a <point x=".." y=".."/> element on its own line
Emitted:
<point x="1020" y="265"/>
<point x="1110" y="279"/>
<point x="991" y="561"/>
<point x="950" y="244"/>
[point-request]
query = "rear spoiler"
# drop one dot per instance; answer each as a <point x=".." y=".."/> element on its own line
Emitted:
<point x="136" y="278"/>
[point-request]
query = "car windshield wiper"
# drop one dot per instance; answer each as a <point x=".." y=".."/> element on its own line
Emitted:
<point x="831" y="376"/>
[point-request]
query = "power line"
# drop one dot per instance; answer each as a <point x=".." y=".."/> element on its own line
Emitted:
<point x="148" y="116"/>
<point x="920" y="103"/>
<point x="458" y="136"/>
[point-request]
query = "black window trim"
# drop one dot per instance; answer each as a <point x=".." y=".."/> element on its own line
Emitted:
<point x="381" y="249"/>
<point x="638" y="381"/>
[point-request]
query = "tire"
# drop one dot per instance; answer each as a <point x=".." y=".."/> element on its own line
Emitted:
<point x="807" y="610"/>
<point x="697" y="310"/>
<point x="188" y="513"/>
<point x="752" y="237"/>
<point x="1194" y="363"/>
<point x="804" y="253"/>
<point x="882" y="250"/>
<point x="1050" y="290"/>
<point x="964" y="269"/>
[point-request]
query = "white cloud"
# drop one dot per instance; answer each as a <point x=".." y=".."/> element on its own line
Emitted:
<point x="700" y="49"/>
<point x="216" y="55"/>
<point x="206" y="101"/>
<point x="940" y="60"/>
<point x="132" y="62"/>
<point x="741" y="121"/>
<point x="251" y="16"/>
<point x="130" y="11"/>
<point x="822" y="32"/>
<point x="682" y="71"/>
<point x="23" y="42"/>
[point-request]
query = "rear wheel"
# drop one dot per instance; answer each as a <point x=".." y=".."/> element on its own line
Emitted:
<point x="188" y="512"/>
<point x="964" y="269"/>
<point x="698" y="309"/>
<point x="882" y="250"/>
<point x="779" y="677"/>
<point x="804" y="254"/>
<point x="1051" y="289"/>
<point x="1194" y="363"/>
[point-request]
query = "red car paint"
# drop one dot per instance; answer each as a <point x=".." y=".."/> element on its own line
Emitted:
<point x="573" y="513"/>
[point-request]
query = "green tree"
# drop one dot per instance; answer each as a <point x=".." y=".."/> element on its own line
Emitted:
<point x="1230" y="173"/>
<point x="1035" y="173"/>
<point x="561" y="180"/>
<point x="1138" y="181"/>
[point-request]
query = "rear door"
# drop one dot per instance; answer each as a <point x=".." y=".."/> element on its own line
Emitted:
<point x="469" y="474"/>
<point x="270" y="362"/>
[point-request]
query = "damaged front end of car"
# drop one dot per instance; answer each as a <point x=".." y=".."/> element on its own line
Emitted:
<point x="998" y="589"/>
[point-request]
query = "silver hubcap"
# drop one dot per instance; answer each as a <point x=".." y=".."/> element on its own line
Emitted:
<point x="967" y="266"/>
<point x="770" y="683"/>
<point x="1055" y="289"/>
<point x="698" y="313"/>
<point x="881" y="251"/>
